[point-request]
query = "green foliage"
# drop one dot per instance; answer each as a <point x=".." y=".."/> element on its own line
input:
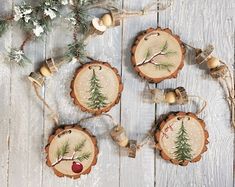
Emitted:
<point x="81" y="16"/>
<point x="18" y="57"/>
<point x="165" y="51"/>
<point x="79" y="146"/>
<point x="3" y="26"/>
<point x="164" y="66"/>
<point x="183" y="148"/>
<point x="63" y="150"/>
<point x="83" y="156"/>
<point x="97" y="99"/>
<point x="77" y="50"/>
<point x="164" y="47"/>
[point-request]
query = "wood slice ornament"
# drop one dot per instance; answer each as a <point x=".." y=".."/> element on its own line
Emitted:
<point x="96" y="87"/>
<point x="71" y="151"/>
<point x="182" y="138"/>
<point x="158" y="54"/>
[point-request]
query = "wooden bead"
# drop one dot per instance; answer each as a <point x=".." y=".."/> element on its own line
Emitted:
<point x="219" y="71"/>
<point x="132" y="148"/>
<point x="107" y="20"/>
<point x="45" y="71"/>
<point x="157" y="95"/>
<point x="213" y="63"/>
<point x="118" y="135"/>
<point x="37" y="78"/>
<point x="170" y="97"/>
<point x="52" y="66"/>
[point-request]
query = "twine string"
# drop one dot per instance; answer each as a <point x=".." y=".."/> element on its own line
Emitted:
<point x="150" y="8"/>
<point x="227" y="83"/>
<point x="53" y="115"/>
<point x="200" y="110"/>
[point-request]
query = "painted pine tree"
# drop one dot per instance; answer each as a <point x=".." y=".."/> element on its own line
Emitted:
<point x="183" y="148"/>
<point x="97" y="100"/>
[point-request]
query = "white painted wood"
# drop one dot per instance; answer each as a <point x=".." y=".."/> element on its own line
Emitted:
<point x="26" y="123"/>
<point x="5" y="99"/>
<point x="136" y="115"/>
<point x="200" y="23"/>
<point x="26" y="128"/>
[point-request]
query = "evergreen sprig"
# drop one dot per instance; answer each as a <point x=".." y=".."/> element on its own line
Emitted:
<point x="76" y="50"/>
<point x="18" y="57"/>
<point x="164" y="66"/>
<point x="63" y="150"/>
<point x="83" y="156"/>
<point x="79" y="146"/>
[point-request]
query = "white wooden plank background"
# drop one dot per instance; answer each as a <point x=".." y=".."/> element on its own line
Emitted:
<point x="24" y="124"/>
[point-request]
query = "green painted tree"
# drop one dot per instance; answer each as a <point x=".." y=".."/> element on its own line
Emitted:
<point x="97" y="99"/>
<point x="183" y="148"/>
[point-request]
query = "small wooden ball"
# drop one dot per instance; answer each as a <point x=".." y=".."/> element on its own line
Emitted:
<point x="107" y="20"/>
<point x="45" y="71"/>
<point x="170" y="97"/>
<point x="213" y="63"/>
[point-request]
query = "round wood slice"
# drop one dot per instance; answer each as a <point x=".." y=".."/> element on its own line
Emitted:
<point x="182" y="138"/>
<point x="96" y="87"/>
<point x="157" y="54"/>
<point x="76" y="146"/>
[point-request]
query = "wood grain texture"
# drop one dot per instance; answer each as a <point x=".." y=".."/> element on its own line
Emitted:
<point x="137" y="116"/>
<point x="5" y="102"/>
<point x="198" y="24"/>
<point x="25" y="124"/>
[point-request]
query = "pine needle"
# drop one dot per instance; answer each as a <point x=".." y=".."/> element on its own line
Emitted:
<point x="79" y="146"/>
<point x="77" y="50"/>
<point x="82" y="19"/>
<point x="18" y="57"/>
<point x="63" y="150"/>
<point x="83" y="156"/>
<point x="164" y="47"/>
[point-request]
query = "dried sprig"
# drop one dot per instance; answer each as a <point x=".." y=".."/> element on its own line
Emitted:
<point x="18" y="57"/>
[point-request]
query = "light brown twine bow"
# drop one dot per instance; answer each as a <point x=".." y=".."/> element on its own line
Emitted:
<point x="53" y="115"/>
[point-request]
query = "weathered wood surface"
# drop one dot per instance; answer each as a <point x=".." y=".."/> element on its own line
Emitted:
<point x="25" y="126"/>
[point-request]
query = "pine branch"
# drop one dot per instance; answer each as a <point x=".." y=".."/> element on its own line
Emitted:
<point x="81" y="16"/>
<point x="79" y="146"/>
<point x="164" y="65"/>
<point x="151" y="60"/>
<point x="63" y="150"/>
<point x="18" y="57"/>
<point x="164" y="47"/>
<point x="83" y="156"/>
<point x="77" y="50"/>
